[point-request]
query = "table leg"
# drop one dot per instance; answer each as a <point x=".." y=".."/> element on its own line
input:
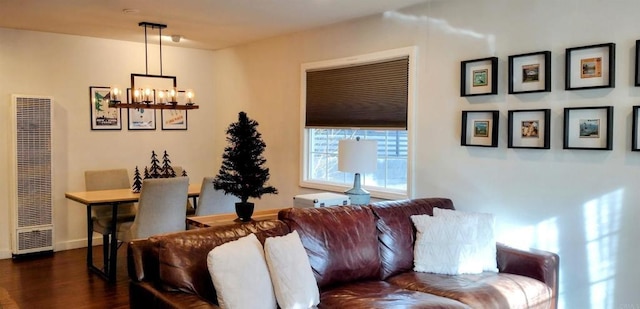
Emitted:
<point x="89" y="237"/>
<point x="113" y="251"/>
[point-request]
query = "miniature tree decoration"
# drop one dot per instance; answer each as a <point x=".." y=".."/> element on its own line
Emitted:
<point x="146" y="173"/>
<point x="242" y="173"/>
<point x="155" y="170"/>
<point x="137" y="181"/>
<point x="167" y="170"/>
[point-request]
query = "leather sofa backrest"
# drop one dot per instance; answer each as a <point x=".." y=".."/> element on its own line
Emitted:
<point x="182" y="257"/>
<point x="341" y="242"/>
<point x="396" y="233"/>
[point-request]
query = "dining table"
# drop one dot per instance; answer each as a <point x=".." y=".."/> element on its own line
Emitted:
<point x="115" y="198"/>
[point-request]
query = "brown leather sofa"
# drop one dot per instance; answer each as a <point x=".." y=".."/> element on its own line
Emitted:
<point x="362" y="257"/>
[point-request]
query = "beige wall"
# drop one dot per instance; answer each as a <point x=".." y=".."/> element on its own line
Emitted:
<point x="64" y="67"/>
<point x="581" y="204"/>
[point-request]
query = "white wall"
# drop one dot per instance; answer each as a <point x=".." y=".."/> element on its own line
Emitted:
<point x="578" y="203"/>
<point x="64" y="67"/>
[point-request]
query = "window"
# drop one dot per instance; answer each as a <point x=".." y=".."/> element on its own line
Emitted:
<point x="320" y="150"/>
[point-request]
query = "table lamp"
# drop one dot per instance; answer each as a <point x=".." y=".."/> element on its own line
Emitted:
<point x="357" y="156"/>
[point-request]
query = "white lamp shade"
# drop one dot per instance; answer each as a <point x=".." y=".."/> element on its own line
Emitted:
<point x="357" y="156"/>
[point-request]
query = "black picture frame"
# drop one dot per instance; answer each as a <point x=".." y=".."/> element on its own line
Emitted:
<point x="480" y="128"/>
<point x="140" y="118"/>
<point x="479" y="77"/>
<point x="637" y="66"/>
<point x="530" y="72"/>
<point x="103" y="117"/>
<point x="529" y="128"/>
<point x="175" y="119"/>
<point x="635" y="130"/>
<point x="590" y="67"/>
<point x="583" y="128"/>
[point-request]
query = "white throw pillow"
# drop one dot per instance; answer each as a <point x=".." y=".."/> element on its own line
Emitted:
<point x="446" y="245"/>
<point x="291" y="274"/>
<point x="485" y="235"/>
<point x="240" y="275"/>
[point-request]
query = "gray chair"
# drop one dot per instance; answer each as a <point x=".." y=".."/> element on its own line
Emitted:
<point x="160" y="209"/>
<point x="190" y="209"/>
<point x="101" y="215"/>
<point x="212" y="201"/>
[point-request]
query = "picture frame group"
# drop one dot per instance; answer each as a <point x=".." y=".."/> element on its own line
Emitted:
<point x="104" y="117"/>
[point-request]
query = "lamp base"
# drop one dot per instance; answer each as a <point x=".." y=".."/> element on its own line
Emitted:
<point x="357" y="194"/>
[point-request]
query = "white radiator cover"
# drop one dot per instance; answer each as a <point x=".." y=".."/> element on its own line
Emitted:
<point x="32" y="175"/>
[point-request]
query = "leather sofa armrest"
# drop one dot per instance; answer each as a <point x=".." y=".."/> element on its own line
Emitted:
<point x="144" y="295"/>
<point x="142" y="260"/>
<point x="533" y="263"/>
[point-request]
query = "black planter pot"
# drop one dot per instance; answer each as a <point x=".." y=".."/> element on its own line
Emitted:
<point x="244" y="211"/>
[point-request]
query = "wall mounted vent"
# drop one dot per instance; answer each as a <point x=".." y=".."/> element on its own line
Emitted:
<point x="32" y="194"/>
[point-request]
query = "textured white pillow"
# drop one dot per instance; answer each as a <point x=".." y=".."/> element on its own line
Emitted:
<point x="446" y="245"/>
<point x="485" y="235"/>
<point x="291" y="274"/>
<point x="240" y="275"/>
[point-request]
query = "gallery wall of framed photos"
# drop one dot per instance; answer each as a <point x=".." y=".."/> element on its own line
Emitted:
<point x="587" y="67"/>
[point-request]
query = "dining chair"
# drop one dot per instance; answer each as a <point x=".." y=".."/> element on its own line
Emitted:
<point x="108" y="179"/>
<point x="212" y="201"/>
<point x="160" y="209"/>
<point x="189" y="207"/>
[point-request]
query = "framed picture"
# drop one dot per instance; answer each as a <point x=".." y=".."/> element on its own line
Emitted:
<point x="635" y="131"/>
<point x="530" y="72"/>
<point x="589" y="67"/>
<point x="479" y="77"/>
<point x="529" y="128"/>
<point x="175" y="119"/>
<point x="480" y="128"/>
<point x="141" y="118"/>
<point x="103" y="117"/>
<point x="637" y="69"/>
<point x="588" y="128"/>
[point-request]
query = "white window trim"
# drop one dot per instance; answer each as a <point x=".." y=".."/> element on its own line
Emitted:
<point x="359" y="60"/>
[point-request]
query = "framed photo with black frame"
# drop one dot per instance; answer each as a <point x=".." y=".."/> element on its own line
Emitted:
<point x="589" y="67"/>
<point x="529" y="128"/>
<point x="637" y="70"/>
<point x="480" y="128"/>
<point x="635" y="130"/>
<point x="141" y="118"/>
<point x="479" y="77"/>
<point x="175" y="119"/>
<point x="103" y="117"/>
<point x="588" y="128"/>
<point x="530" y="72"/>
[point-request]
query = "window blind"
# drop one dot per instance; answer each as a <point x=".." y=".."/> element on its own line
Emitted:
<point x="373" y="95"/>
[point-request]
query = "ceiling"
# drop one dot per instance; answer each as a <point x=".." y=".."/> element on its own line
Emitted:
<point x="204" y="24"/>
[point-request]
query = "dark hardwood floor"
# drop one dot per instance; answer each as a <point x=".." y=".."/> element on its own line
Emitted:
<point x="62" y="280"/>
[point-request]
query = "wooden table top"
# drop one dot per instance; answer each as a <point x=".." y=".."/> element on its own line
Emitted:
<point x="116" y="196"/>
<point x="228" y="218"/>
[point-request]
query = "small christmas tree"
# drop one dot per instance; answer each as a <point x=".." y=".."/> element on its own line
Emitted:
<point x="242" y="173"/>
<point x="146" y="173"/>
<point x="184" y="173"/>
<point x="155" y="170"/>
<point x="167" y="170"/>
<point x="137" y="181"/>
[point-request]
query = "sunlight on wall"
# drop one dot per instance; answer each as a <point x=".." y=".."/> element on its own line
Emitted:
<point x="442" y="25"/>
<point x="602" y="225"/>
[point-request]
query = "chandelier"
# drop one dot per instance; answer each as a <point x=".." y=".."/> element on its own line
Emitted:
<point x="152" y="91"/>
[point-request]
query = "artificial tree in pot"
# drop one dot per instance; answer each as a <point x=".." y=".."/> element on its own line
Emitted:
<point x="242" y="172"/>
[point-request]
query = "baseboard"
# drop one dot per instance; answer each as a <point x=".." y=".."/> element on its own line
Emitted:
<point x="75" y="244"/>
<point x="5" y="254"/>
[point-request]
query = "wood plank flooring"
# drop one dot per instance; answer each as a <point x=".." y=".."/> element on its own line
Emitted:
<point x="62" y="280"/>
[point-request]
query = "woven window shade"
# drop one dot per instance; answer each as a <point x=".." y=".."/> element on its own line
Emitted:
<point x="363" y="96"/>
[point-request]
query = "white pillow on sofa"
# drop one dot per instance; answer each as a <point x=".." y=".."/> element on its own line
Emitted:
<point x="486" y="238"/>
<point x="446" y="245"/>
<point x="291" y="274"/>
<point x="240" y="275"/>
